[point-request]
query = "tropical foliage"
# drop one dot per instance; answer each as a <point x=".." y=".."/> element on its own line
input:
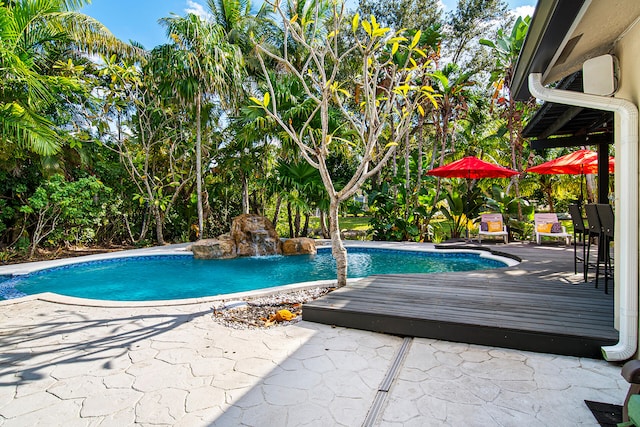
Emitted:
<point x="293" y="110"/>
<point x="41" y="47"/>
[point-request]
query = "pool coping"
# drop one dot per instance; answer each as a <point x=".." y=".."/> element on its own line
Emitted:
<point x="182" y="249"/>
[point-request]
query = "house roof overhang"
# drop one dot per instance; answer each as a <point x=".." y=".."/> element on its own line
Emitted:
<point x="549" y="26"/>
<point x="563" y="34"/>
<point x="558" y="125"/>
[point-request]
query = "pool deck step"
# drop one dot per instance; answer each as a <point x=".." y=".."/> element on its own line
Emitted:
<point x="539" y="305"/>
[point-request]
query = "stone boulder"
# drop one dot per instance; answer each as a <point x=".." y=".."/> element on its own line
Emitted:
<point x="255" y="235"/>
<point x="299" y="246"/>
<point x="221" y="248"/>
<point x="353" y="234"/>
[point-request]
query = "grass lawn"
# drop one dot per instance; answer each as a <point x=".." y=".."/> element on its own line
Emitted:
<point x="346" y="223"/>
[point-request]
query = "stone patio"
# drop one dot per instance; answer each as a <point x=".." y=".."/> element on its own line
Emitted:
<point x="87" y="366"/>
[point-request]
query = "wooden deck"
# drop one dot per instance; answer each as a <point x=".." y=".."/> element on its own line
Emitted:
<point x="538" y="305"/>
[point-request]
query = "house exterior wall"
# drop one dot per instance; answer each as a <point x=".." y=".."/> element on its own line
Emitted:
<point x="626" y="50"/>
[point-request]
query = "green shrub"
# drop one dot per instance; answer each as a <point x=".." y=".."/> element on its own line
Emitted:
<point x="66" y="211"/>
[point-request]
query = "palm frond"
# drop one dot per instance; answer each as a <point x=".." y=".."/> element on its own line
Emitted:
<point x="28" y="129"/>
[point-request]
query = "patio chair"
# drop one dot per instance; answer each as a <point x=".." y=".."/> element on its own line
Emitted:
<point x="605" y="213"/>
<point x="595" y="230"/>
<point x="492" y="225"/>
<point x="580" y="235"/>
<point x="547" y="225"/>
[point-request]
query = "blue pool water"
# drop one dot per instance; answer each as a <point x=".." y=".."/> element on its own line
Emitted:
<point x="177" y="277"/>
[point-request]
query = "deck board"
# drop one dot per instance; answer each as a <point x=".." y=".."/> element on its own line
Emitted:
<point x="538" y="305"/>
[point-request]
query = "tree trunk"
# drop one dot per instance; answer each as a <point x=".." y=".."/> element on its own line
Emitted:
<point x="297" y="222"/>
<point x="337" y="248"/>
<point x="394" y="165"/>
<point x="206" y="206"/>
<point x="245" y="194"/>
<point x="159" y="229"/>
<point x="256" y="204"/>
<point x="323" y="225"/>
<point x="590" y="184"/>
<point x="407" y="177"/>
<point x="199" y="167"/>
<point x="305" y="227"/>
<point x="513" y="141"/>
<point x="419" y="180"/>
<point x="276" y="214"/>
<point x="290" y="219"/>
<point x="547" y="189"/>
<point x="145" y="222"/>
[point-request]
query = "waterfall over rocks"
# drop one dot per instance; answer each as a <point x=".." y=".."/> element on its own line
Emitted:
<point x="255" y="235"/>
<point x="250" y="235"/>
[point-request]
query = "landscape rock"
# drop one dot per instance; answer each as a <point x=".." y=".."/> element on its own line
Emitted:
<point x="299" y="246"/>
<point x="221" y="248"/>
<point x="255" y="235"/>
<point x="353" y="234"/>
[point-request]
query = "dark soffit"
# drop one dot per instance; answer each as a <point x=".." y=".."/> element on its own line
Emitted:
<point x="565" y="120"/>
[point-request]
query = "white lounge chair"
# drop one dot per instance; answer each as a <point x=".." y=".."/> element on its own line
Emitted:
<point x="547" y="225"/>
<point x="495" y="227"/>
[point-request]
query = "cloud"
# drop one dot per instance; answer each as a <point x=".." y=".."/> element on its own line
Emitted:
<point x="523" y="11"/>
<point x="197" y="9"/>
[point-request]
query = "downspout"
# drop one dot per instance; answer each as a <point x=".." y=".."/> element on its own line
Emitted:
<point x="626" y="187"/>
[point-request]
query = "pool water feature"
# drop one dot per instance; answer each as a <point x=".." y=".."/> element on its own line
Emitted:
<point x="152" y="278"/>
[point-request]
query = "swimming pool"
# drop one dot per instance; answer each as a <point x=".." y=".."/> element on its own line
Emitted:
<point x="171" y="277"/>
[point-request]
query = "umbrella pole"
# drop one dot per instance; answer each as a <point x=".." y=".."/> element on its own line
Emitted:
<point x="466" y="209"/>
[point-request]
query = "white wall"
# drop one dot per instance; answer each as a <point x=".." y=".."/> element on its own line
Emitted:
<point x="627" y="51"/>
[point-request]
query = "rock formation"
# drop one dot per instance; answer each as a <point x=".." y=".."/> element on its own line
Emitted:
<point x="299" y="246"/>
<point x="255" y="235"/>
<point x="250" y="235"/>
<point x="221" y="248"/>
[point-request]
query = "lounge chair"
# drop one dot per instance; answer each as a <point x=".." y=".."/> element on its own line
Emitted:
<point x="547" y="225"/>
<point x="492" y="225"/>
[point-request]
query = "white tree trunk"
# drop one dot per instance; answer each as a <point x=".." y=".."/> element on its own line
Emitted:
<point x="199" y="169"/>
<point x="245" y="194"/>
<point x="337" y="248"/>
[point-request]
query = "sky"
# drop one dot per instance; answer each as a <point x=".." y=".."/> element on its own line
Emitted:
<point x="137" y="20"/>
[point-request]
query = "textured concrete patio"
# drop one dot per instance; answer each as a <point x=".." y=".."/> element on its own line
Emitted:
<point x="71" y="365"/>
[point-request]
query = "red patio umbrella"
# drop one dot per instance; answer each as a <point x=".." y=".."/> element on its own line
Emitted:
<point x="576" y="163"/>
<point x="472" y="168"/>
<point x="579" y="162"/>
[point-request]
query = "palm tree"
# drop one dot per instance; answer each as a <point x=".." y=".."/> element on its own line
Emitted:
<point x="239" y="24"/>
<point x="240" y="27"/>
<point x="506" y="50"/>
<point x="453" y="88"/>
<point x="199" y="66"/>
<point x="34" y="35"/>
<point x="254" y="126"/>
<point x="302" y="185"/>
